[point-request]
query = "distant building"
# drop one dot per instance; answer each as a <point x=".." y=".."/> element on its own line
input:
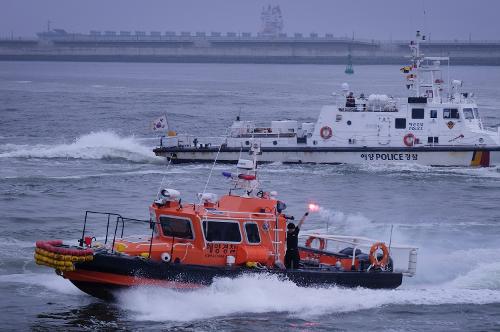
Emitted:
<point x="272" y="21"/>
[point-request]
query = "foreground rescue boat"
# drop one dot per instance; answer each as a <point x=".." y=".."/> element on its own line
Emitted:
<point x="188" y="245"/>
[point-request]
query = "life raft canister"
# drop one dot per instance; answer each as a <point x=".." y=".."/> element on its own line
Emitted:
<point x="310" y="239"/>
<point x="374" y="261"/>
<point x="326" y="132"/>
<point x="409" y="139"/>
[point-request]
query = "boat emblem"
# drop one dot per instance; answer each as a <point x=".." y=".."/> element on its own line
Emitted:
<point x="265" y="226"/>
<point x="450" y="124"/>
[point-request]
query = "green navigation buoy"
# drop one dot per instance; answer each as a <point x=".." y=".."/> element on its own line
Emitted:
<point x="348" y="70"/>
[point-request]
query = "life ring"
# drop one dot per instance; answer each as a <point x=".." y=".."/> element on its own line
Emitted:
<point x="322" y="243"/>
<point x="326" y="132"/>
<point x="409" y="139"/>
<point x="374" y="261"/>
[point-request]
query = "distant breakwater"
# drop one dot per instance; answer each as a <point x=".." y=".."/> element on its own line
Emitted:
<point x="193" y="49"/>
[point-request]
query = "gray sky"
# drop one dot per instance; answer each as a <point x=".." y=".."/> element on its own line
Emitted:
<point x="380" y="19"/>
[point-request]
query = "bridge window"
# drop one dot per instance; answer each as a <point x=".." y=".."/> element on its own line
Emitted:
<point x="433" y="114"/>
<point x="400" y="123"/>
<point x="468" y="114"/>
<point x="476" y="113"/>
<point x="417" y="113"/>
<point x="450" y="113"/>
<point x="175" y="227"/>
<point x="252" y="231"/>
<point x="432" y="139"/>
<point x="222" y="231"/>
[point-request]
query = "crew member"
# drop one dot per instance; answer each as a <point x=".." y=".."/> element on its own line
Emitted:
<point x="350" y="100"/>
<point x="292" y="258"/>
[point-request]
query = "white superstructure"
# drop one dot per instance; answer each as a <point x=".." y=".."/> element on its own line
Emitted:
<point x="438" y="124"/>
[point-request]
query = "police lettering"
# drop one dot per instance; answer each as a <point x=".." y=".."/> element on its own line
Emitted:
<point x="390" y="156"/>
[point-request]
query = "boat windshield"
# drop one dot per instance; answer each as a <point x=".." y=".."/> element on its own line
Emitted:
<point x="468" y="114"/>
<point x="222" y="231"/>
<point x="176" y="227"/>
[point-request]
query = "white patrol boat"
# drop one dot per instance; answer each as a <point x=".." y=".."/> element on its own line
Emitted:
<point x="438" y="125"/>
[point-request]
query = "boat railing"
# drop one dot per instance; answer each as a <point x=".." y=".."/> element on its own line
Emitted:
<point x="265" y="135"/>
<point x="191" y="141"/>
<point x="222" y="214"/>
<point x="363" y="242"/>
<point x="119" y="227"/>
<point x="363" y="106"/>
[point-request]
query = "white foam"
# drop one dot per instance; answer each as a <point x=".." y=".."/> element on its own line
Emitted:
<point x="50" y="282"/>
<point x="484" y="276"/>
<point x="262" y="294"/>
<point x="403" y="168"/>
<point x="397" y="169"/>
<point x="98" y="145"/>
<point x="355" y="222"/>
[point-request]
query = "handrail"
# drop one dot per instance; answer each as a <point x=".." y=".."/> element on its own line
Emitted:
<point x="109" y="214"/>
<point x="359" y="241"/>
<point x="119" y="219"/>
<point x="355" y="240"/>
<point x="268" y="214"/>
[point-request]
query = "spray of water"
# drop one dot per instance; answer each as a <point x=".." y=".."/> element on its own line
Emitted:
<point x="98" y="145"/>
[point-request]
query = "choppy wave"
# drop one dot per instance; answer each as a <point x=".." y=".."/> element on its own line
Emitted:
<point x="98" y="175"/>
<point x="264" y="294"/>
<point x="423" y="170"/>
<point x="98" y="145"/>
<point x="484" y="276"/>
<point x="267" y="294"/>
<point x="385" y="169"/>
<point x="51" y="282"/>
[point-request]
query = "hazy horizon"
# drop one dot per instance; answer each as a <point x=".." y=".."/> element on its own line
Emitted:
<point x="394" y="19"/>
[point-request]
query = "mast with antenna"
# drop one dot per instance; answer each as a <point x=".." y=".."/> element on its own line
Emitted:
<point x="426" y="78"/>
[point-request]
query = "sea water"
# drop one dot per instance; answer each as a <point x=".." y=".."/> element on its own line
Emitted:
<point x="76" y="137"/>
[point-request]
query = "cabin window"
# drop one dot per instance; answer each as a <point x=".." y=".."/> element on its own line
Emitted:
<point x="400" y="123"/>
<point x="175" y="227"/>
<point x="417" y="113"/>
<point x="432" y="139"/>
<point x="450" y="113"/>
<point x="433" y="114"/>
<point x="468" y="114"/>
<point x="252" y="231"/>
<point x="476" y="113"/>
<point x="222" y="231"/>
